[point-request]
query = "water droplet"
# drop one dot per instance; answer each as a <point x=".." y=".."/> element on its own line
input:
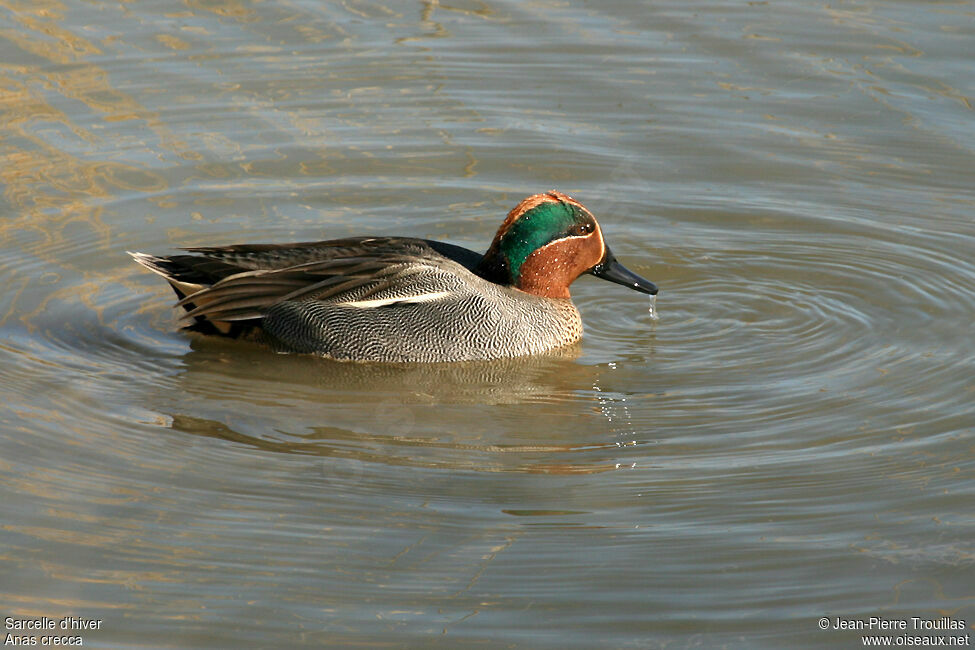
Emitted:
<point x="653" y="308"/>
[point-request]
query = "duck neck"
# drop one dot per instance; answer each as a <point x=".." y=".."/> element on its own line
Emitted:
<point x="494" y="267"/>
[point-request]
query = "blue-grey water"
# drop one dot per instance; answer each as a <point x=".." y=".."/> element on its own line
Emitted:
<point x="791" y="440"/>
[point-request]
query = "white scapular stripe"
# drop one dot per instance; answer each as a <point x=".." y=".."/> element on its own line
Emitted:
<point x="382" y="302"/>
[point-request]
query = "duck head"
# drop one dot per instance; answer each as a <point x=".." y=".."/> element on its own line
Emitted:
<point x="546" y="242"/>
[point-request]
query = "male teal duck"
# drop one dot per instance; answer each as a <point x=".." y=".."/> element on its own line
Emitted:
<point x="403" y="299"/>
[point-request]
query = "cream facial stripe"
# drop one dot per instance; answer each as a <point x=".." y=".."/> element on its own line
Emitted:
<point x="382" y="302"/>
<point x="559" y="241"/>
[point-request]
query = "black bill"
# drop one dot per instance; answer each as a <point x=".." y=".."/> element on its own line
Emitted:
<point x="610" y="269"/>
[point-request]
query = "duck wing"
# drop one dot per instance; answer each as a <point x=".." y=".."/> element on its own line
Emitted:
<point x="239" y="283"/>
<point x="278" y="256"/>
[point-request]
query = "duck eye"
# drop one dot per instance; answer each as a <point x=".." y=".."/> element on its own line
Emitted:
<point x="584" y="228"/>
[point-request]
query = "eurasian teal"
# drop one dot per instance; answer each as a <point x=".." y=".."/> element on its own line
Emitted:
<point x="403" y="299"/>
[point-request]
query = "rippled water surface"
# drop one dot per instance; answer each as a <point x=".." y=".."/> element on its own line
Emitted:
<point x="792" y="439"/>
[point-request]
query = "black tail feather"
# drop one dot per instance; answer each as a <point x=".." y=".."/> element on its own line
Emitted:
<point x="182" y="270"/>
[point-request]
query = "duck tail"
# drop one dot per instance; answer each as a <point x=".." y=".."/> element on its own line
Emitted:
<point x="189" y="274"/>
